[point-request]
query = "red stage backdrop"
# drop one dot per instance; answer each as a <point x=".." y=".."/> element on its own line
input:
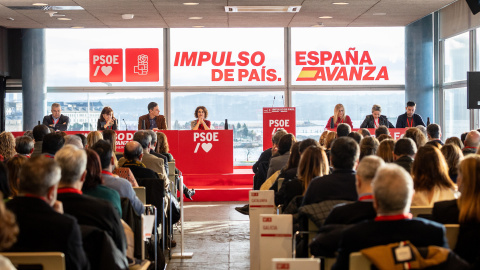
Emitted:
<point x="275" y="118"/>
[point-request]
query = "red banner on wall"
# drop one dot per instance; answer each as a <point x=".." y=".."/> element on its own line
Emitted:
<point x="106" y="65"/>
<point x="275" y="118"/>
<point x="141" y="65"/>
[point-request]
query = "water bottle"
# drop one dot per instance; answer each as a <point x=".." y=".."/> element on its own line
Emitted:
<point x="428" y="121"/>
<point x="331" y="123"/>
<point x="143" y="125"/>
<point x="226" y="124"/>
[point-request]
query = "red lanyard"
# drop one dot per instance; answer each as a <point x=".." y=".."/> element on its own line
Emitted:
<point x="394" y="217"/>
<point x="409" y="124"/>
<point x="55" y="121"/>
<point x="107" y="172"/>
<point x="69" y="190"/>
<point x="366" y="197"/>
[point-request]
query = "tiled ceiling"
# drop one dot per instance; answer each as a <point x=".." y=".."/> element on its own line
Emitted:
<point x="174" y="14"/>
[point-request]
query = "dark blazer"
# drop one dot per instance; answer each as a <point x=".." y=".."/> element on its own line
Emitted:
<point x="61" y="125"/>
<point x="289" y="189"/>
<point x="420" y="232"/>
<point x="369" y="122"/>
<point x="140" y="172"/>
<point x="351" y="213"/>
<point x="260" y="168"/>
<point x="445" y="212"/>
<point x="95" y="212"/>
<point x="340" y="185"/>
<point x="405" y="162"/>
<point x="165" y="159"/>
<point x="161" y="122"/>
<point x="101" y="125"/>
<point x="402" y="121"/>
<point x="42" y="229"/>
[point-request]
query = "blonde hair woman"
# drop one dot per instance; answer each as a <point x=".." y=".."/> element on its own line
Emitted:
<point x="7" y="145"/>
<point x="339" y="116"/>
<point x="94" y="137"/>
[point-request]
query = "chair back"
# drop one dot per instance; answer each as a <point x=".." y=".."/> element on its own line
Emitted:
<point x="452" y="231"/>
<point x="359" y="262"/>
<point x="48" y="260"/>
<point x="171" y="167"/>
<point x="420" y="210"/>
<point x="141" y="194"/>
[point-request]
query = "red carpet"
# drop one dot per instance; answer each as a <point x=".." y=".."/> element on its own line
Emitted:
<point x="221" y="187"/>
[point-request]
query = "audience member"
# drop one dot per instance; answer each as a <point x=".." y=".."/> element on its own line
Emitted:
<point x="74" y="140"/>
<point x="456" y="141"/>
<point x="385" y="150"/>
<point x="423" y="129"/>
<point x="453" y="155"/>
<point x="331" y="136"/>
<point x="153" y="145"/>
<point x="365" y="132"/>
<point x="83" y="138"/>
<point x="417" y="136"/>
<point x="392" y="192"/>
<point x="368" y="146"/>
<point x="13" y="167"/>
<point x="51" y="144"/>
<point x="133" y="154"/>
<point x="121" y="185"/>
<point x="86" y="209"/>
<point x="111" y="137"/>
<point x="278" y="162"/>
<point x="41" y="222"/>
<point x="24" y="146"/>
<point x="340" y="185"/>
<point x="381" y="130"/>
<point x="289" y="171"/>
<point x="343" y="129"/>
<point x="463" y="136"/>
<point x="4" y="185"/>
<point x="93" y="137"/>
<point x="7" y="145"/>
<point x="434" y="144"/>
<point x="434" y="133"/>
<point x="472" y="140"/>
<point x="430" y="177"/>
<point x="384" y="137"/>
<point x="356" y="136"/>
<point x="363" y="208"/>
<point x="93" y="184"/>
<point x="464" y="211"/>
<point x="8" y="234"/>
<point x="307" y="143"/>
<point x="404" y="153"/>
<point x="313" y="163"/>
<point x="29" y="133"/>
<point x="323" y="137"/>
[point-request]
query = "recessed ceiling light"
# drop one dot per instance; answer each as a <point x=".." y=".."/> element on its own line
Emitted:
<point x="10" y="19"/>
<point x="39" y="4"/>
<point x="64" y="19"/>
<point x="198" y="26"/>
<point x="379" y="14"/>
<point x="293" y="9"/>
<point x="325" y="17"/>
<point x="340" y="3"/>
<point x="318" y="25"/>
<point x="127" y="16"/>
<point x="77" y="27"/>
<point x="195" y="18"/>
<point x="191" y="4"/>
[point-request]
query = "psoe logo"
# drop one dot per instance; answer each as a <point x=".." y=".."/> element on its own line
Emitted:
<point x="205" y="140"/>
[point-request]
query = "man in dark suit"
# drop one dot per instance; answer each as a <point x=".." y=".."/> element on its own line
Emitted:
<point x="42" y="225"/>
<point x="393" y="193"/>
<point x="340" y="185"/>
<point x="56" y="120"/>
<point x="409" y="118"/>
<point x="404" y="152"/>
<point x="362" y="209"/>
<point x="153" y="120"/>
<point x="88" y="210"/>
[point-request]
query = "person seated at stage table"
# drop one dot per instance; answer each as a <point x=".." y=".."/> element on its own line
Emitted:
<point x="43" y="226"/>
<point x="375" y="119"/>
<point x="56" y="120"/>
<point x="201" y="113"/>
<point x="339" y="116"/>
<point x="107" y="120"/>
<point x="392" y="193"/>
<point x="430" y="176"/>
<point x="153" y="120"/>
<point x="409" y="118"/>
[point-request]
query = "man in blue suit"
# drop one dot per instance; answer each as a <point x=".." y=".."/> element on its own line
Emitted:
<point x="409" y="118"/>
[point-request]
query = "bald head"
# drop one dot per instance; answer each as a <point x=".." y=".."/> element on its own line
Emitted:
<point x="392" y="189"/>
<point x="133" y="151"/>
<point x="472" y="139"/>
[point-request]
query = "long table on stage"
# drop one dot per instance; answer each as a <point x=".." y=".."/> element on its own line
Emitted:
<point x="396" y="133"/>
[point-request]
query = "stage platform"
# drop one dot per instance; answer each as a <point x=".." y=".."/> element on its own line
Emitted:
<point x="221" y="187"/>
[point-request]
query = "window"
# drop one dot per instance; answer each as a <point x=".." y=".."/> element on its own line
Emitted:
<point x="244" y="111"/>
<point x="13" y="112"/>
<point x="315" y="108"/>
<point x="84" y="108"/>
<point x="456" y="114"/>
<point x="456" y="58"/>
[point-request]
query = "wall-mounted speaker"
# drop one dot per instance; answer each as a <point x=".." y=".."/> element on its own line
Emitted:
<point x="473" y="90"/>
<point x="474" y="6"/>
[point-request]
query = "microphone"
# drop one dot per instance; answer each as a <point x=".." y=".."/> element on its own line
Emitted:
<point x="331" y="122"/>
<point x="283" y="101"/>
<point x="126" y="127"/>
<point x="273" y="101"/>
<point x="428" y="121"/>
<point x="38" y="122"/>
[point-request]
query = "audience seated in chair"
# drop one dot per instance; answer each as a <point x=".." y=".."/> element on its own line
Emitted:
<point x="8" y="234"/>
<point x="472" y="141"/>
<point x="133" y="155"/>
<point x="340" y="185"/>
<point x="42" y="224"/>
<point x="51" y="143"/>
<point x="88" y="210"/>
<point x="404" y="152"/>
<point x="278" y="162"/>
<point x="24" y="146"/>
<point x="39" y="132"/>
<point x="392" y="191"/>
<point x="289" y="171"/>
<point x="434" y="133"/>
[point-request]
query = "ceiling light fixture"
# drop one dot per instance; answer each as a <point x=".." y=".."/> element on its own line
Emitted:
<point x="198" y="26"/>
<point x="195" y="18"/>
<point x="77" y="27"/>
<point x="10" y="19"/>
<point x="262" y="8"/>
<point x="39" y="4"/>
<point x="340" y="3"/>
<point x="64" y="19"/>
<point x="318" y="25"/>
<point x="325" y="17"/>
<point x="127" y="16"/>
<point x="191" y="4"/>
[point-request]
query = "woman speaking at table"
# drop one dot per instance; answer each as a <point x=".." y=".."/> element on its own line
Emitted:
<point x="106" y="120"/>
<point x="339" y="116"/>
<point x="201" y="123"/>
<point x="375" y="120"/>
